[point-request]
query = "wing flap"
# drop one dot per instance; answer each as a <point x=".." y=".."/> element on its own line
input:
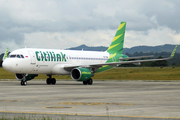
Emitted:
<point x="121" y="59"/>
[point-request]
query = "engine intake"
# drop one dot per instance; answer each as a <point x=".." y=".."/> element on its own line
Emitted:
<point x="27" y="76"/>
<point x="81" y="74"/>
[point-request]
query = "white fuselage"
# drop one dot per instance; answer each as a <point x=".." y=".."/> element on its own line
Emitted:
<point x="50" y="61"/>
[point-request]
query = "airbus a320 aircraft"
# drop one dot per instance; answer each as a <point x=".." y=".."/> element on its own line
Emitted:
<point x="27" y="63"/>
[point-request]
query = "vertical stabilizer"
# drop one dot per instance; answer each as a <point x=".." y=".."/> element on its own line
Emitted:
<point x="118" y="41"/>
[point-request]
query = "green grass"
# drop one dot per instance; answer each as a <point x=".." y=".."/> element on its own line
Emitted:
<point x="136" y="73"/>
<point x="33" y="117"/>
<point x="140" y="73"/>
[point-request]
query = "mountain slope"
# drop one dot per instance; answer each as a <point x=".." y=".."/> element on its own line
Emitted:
<point x="144" y="49"/>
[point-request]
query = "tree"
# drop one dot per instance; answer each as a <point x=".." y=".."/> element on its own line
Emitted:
<point x="159" y="63"/>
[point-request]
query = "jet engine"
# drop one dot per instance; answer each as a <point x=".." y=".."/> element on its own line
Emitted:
<point x="81" y="74"/>
<point x="27" y="76"/>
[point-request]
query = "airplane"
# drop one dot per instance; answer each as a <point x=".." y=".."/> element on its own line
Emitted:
<point x="27" y="63"/>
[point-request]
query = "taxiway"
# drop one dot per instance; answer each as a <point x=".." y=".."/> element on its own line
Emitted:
<point x="102" y="100"/>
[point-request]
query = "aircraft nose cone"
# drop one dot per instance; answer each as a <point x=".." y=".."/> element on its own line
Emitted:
<point x="7" y="64"/>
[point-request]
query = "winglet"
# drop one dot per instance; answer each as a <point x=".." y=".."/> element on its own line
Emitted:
<point x="6" y="54"/>
<point x="172" y="54"/>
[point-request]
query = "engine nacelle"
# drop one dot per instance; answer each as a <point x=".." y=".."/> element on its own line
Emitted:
<point x="27" y="76"/>
<point x="81" y="74"/>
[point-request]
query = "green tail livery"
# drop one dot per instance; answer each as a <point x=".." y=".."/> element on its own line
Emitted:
<point x="118" y="41"/>
<point x="116" y="48"/>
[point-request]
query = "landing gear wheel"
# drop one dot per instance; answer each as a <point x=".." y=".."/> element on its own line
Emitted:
<point x="84" y="82"/>
<point x="48" y="81"/>
<point x="53" y="81"/>
<point x="90" y="81"/>
<point x="23" y="83"/>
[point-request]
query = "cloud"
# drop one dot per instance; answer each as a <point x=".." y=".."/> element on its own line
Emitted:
<point x="60" y="40"/>
<point x="160" y="36"/>
<point x="87" y="22"/>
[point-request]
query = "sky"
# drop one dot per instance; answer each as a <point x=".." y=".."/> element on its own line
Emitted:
<point x="62" y="24"/>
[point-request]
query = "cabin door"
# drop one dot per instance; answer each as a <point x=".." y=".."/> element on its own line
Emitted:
<point x="33" y="59"/>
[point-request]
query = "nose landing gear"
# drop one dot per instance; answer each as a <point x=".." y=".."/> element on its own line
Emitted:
<point x="23" y="83"/>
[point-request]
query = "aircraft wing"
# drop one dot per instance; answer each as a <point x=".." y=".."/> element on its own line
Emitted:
<point x="70" y="67"/>
<point x="136" y="61"/>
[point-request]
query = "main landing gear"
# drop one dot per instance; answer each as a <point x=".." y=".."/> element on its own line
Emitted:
<point x="23" y="82"/>
<point x="51" y="80"/>
<point x="89" y="82"/>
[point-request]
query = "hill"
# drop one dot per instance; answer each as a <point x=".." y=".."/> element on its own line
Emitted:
<point x="88" y="48"/>
<point x="149" y="49"/>
<point x="144" y="49"/>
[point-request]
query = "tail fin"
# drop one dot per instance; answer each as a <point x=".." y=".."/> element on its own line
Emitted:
<point x="118" y="41"/>
<point x="5" y="54"/>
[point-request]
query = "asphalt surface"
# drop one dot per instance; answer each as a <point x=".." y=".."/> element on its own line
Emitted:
<point x="108" y="100"/>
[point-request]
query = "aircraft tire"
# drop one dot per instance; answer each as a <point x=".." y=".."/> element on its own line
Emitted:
<point x="48" y="81"/>
<point x="53" y="81"/>
<point x="85" y="82"/>
<point x="90" y="81"/>
<point x="23" y="83"/>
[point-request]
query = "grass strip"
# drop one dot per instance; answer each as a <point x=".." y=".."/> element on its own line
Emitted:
<point x="134" y="73"/>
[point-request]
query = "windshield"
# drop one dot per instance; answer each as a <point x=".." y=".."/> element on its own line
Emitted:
<point x="15" y="56"/>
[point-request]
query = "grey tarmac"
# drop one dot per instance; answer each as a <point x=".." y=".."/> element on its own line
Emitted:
<point x="108" y="100"/>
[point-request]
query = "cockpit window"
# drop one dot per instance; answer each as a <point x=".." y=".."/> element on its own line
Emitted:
<point x="22" y="56"/>
<point x="15" y="56"/>
<point x="12" y="56"/>
<point x="18" y="56"/>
